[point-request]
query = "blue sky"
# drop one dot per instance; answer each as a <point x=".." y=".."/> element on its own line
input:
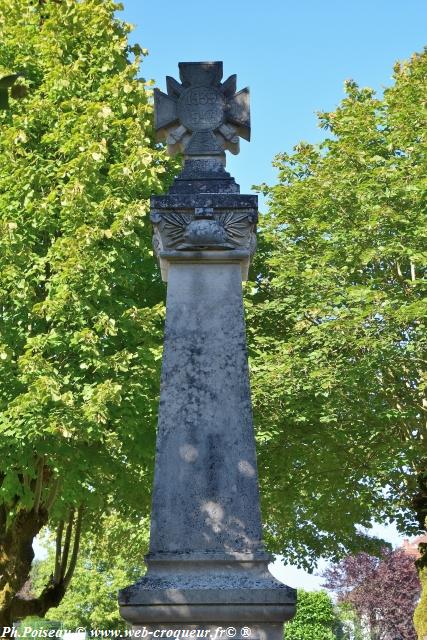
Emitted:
<point x="294" y="56"/>
<point x="300" y="579"/>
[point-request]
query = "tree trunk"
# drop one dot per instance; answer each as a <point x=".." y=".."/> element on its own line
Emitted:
<point x="5" y="623"/>
<point x="16" y="556"/>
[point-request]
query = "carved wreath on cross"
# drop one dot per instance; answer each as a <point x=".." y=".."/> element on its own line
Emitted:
<point x="202" y="116"/>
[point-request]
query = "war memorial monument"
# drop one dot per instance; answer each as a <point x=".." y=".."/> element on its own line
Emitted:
<point x="207" y="569"/>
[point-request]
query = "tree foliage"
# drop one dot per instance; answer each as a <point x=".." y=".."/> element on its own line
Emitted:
<point x="420" y="614"/>
<point x="337" y="326"/>
<point x="315" y="617"/>
<point x="80" y="300"/>
<point x="383" y="592"/>
<point x="105" y="565"/>
<point x="350" y="626"/>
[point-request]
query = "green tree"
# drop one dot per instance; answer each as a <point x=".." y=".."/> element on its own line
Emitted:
<point x="420" y="614"/>
<point x="350" y="626"/>
<point x="315" y="618"/>
<point x="105" y="565"/>
<point x="337" y="326"/>
<point x="80" y="300"/>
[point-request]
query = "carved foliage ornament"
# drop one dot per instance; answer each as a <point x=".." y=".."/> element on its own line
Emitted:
<point x="204" y="231"/>
<point x="202" y="116"/>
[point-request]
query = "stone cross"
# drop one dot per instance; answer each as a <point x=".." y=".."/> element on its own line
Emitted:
<point x="207" y="566"/>
<point x="202" y="116"/>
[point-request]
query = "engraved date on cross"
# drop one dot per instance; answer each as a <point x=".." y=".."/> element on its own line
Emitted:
<point x="201" y="108"/>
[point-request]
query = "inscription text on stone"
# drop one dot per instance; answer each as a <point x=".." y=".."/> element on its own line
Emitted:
<point x="201" y="108"/>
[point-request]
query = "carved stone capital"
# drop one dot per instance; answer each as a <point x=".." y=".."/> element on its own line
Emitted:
<point x="204" y="234"/>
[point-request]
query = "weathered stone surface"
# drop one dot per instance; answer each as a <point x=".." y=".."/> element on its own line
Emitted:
<point x="200" y="230"/>
<point x="205" y="175"/>
<point x="207" y="562"/>
<point x="205" y="422"/>
<point x="204" y="211"/>
<point x="202" y="116"/>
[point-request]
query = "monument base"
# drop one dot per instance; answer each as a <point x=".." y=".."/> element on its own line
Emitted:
<point x="208" y="595"/>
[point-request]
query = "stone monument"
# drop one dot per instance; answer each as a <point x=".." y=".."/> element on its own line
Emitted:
<point x="207" y="568"/>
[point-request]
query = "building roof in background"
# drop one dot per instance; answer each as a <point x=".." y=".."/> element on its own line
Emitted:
<point x="410" y="547"/>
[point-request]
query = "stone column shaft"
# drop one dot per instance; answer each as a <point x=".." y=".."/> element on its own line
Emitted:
<point x="205" y="451"/>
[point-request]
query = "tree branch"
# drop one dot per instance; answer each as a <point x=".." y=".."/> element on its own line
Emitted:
<point x="58" y="550"/>
<point x="66" y="549"/>
<point x="54" y="591"/>
<point x="53" y="494"/>
<point x="76" y="543"/>
<point x="39" y="484"/>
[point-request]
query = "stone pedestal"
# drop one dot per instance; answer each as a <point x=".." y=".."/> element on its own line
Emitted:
<point x="207" y="568"/>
